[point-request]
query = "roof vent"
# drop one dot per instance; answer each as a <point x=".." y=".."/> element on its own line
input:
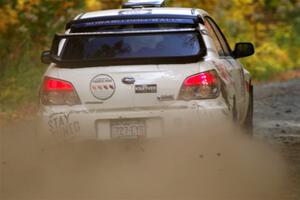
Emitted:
<point x="143" y="3"/>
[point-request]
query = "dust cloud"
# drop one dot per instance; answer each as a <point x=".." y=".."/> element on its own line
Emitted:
<point x="193" y="165"/>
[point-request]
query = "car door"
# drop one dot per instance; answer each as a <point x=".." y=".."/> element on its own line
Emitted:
<point x="229" y="64"/>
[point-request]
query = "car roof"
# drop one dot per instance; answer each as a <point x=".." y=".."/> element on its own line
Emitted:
<point x="150" y="11"/>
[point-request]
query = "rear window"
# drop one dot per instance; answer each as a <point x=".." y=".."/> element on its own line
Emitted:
<point x="157" y="46"/>
<point x="129" y="42"/>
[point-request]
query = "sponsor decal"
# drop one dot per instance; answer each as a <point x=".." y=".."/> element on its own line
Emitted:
<point x="60" y="125"/>
<point x="132" y="21"/>
<point x="224" y="73"/>
<point x="102" y="87"/>
<point x="167" y="97"/>
<point x="149" y="88"/>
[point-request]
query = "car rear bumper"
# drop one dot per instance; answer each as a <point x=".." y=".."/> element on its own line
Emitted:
<point x="69" y="123"/>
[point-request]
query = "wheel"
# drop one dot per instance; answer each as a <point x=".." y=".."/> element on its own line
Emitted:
<point x="248" y="124"/>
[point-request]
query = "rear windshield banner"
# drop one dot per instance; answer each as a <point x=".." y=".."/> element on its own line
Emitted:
<point x="133" y="21"/>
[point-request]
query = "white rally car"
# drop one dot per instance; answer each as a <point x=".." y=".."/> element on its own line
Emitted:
<point x="142" y="71"/>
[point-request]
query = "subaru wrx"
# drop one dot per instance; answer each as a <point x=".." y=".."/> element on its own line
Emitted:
<point x="142" y="71"/>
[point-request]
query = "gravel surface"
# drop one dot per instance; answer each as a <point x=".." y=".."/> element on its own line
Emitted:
<point x="277" y="111"/>
<point x="222" y="167"/>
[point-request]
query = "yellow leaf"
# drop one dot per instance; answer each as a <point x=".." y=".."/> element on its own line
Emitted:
<point x="93" y="5"/>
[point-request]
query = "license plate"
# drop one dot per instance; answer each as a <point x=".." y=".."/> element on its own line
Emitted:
<point x="127" y="128"/>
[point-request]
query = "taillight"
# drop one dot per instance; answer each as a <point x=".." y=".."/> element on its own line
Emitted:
<point x="205" y="85"/>
<point x="58" y="92"/>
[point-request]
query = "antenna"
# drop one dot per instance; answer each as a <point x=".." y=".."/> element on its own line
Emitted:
<point x="143" y="3"/>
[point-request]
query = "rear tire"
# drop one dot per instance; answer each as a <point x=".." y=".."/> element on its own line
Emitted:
<point x="248" y="124"/>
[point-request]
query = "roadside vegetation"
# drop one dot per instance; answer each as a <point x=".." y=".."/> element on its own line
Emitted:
<point x="27" y="28"/>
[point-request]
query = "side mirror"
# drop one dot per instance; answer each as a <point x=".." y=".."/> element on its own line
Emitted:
<point x="243" y="49"/>
<point x="46" y="57"/>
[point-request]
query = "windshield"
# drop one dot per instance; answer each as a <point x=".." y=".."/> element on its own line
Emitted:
<point x="154" y="48"/>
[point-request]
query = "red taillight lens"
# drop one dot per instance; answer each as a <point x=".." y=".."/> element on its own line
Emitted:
<point x="54" y="84"/>
<point x="58" y="92"/>
<point x="205" y="85"/>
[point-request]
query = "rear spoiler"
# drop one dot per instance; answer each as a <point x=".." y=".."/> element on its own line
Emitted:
<point x="124" y="19"/>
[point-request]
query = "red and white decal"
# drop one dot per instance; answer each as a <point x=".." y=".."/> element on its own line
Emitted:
<point x="102" y="87"/>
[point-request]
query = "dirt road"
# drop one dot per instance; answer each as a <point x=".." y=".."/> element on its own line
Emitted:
<point x="277" y="120"/>
<point x="226" y="166"/>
